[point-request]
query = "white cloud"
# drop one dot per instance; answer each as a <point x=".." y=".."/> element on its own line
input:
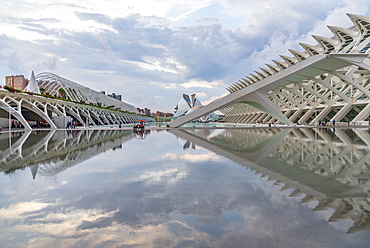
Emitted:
<point x="165" y="47"/>
<point x="336" y="17"/>
<point x="200" y="94"/>
<point x="287" y="36"/>
<point x="171" y="175"/>
<point x="15" y="211"/>
<point x="160" y="64"/>
<point x="213" y="98"/>
<point x="201" y="84"/>
<point x="168" y="85"/>
<point x="193" y="157"/>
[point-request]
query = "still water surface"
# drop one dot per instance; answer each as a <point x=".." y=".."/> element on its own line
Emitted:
<point x="193" y="188"/>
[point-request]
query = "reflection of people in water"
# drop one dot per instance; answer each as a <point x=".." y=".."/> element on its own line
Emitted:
<point x="139" y="125"/>
<point x="139" y="134"/>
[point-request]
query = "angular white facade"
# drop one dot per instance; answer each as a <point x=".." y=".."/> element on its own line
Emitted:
<point x="186" y="103"/>
<point x="189" y="104"/>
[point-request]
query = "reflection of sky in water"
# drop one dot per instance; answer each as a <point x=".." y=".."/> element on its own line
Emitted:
<point x="155" y="193"/>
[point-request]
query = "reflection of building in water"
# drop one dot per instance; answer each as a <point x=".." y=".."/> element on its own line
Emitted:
<point x="241" y="139"/>
<point x="56" y="151"/>
<point x="343" y="155"/>
<point x="328" y="166"/>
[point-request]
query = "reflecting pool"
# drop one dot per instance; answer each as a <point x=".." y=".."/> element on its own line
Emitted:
<point x="185" y="188"/>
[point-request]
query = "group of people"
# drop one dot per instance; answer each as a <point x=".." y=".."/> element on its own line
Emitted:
<point x="325" y="122"/>
<point x="16" y="124"/>
<point x="71" y="124"/>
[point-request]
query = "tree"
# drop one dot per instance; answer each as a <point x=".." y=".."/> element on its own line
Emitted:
<point x="62" y="92"/>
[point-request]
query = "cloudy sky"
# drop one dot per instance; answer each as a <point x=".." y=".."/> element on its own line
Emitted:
<point x="152" y="51"/>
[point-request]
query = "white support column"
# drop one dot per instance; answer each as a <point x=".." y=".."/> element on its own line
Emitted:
<point x="17" y="113"/>
<point x="364" y="114"/>
<point x="42" y="113"/>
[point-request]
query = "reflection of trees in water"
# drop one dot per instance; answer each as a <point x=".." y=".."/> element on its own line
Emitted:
<point x="334" y="163"/>
<point x="52" y="152"/>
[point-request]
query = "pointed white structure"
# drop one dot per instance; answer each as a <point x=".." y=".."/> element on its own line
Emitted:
<point x="34" y="169"/>
<point x="32" y="85"/>
<point x="186" y="103"/>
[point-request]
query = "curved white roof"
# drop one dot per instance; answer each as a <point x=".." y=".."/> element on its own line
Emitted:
<point x="53" y="83"/>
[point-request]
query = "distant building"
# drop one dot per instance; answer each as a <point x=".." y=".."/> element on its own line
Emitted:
<point x="144" y="111"/>
<point x="162" y="114"/>
<point x="188" y="104"/>
<point x="17" y="82"/>
<point x="140" y="110"/>
<point x="116" y="96"/>
<point x="113" y="95"/>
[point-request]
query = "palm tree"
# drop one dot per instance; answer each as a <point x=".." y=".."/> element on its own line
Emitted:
<point x="42" y="90"/>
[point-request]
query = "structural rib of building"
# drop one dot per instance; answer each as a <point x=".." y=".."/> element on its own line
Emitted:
<point x="324" y="82"/>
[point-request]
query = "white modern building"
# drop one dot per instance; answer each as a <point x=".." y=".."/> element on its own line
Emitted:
<point x="189" y="104"/>
<point x="58" y="86"/>
<point x="328" y="81"/>
<point x="62" y="101"/>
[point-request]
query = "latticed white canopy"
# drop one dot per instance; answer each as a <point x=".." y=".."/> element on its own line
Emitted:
<point x="342" y="95"/>
<point x="58" y="86"/>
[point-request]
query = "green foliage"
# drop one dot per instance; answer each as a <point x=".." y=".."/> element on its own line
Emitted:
<point x="9" y="88"/>
<point x="62" y="92"/>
